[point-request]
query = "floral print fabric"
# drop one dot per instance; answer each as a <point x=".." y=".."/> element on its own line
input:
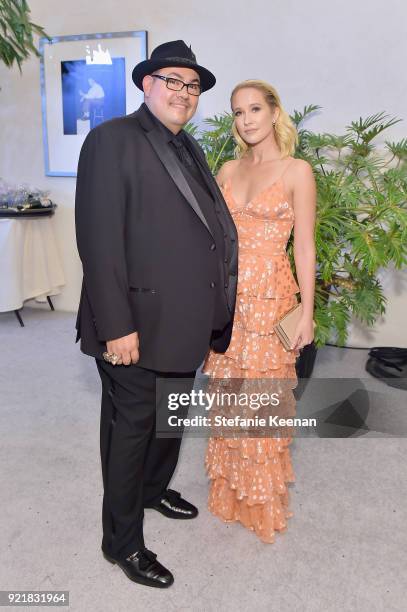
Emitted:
<point x="249" y="476"/>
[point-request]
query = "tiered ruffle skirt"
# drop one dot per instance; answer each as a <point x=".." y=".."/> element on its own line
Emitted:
<point x="250" y="476"/>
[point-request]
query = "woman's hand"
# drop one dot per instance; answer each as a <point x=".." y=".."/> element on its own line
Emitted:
<point x="304" y="333"/>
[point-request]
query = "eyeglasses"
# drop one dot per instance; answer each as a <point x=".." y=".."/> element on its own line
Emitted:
<point x="176" y="85"/>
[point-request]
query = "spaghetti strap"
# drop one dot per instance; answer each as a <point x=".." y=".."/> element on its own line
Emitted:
<point x="288" y="165"/>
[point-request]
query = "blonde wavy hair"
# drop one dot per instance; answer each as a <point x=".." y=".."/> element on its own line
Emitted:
<point x="284" y="129"/>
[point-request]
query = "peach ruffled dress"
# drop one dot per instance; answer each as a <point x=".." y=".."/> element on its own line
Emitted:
<point x="249" y="476"/>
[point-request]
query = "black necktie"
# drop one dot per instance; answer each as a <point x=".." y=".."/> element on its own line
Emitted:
<point x="182" y="152"/>
<point x="188" y="161"/>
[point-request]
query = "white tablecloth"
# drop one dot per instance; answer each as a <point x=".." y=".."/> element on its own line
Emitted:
<point x="30" y="264"/>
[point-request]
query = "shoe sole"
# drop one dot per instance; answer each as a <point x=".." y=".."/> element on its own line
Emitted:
<point x="140" y="580"/>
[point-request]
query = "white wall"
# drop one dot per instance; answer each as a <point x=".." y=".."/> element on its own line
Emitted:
<point x="346" y="56"/>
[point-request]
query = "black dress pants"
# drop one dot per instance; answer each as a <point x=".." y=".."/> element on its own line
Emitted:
<point x="136" y="465"/>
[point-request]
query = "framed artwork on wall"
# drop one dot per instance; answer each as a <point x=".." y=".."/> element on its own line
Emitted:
<point x="85" y="80"/>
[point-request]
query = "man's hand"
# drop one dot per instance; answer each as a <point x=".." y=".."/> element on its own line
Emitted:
<point x="126" y="348"/>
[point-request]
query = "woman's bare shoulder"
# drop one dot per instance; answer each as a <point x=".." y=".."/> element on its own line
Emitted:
<point x="301" y="169"/>
<point x="226" y="171"/>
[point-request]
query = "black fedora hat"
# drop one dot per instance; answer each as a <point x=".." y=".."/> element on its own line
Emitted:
<point x="173" y="53"/>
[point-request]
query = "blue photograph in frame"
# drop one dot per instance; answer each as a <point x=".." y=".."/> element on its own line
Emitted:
<point x="92" y="94"/>
<point x="85" y="80"/>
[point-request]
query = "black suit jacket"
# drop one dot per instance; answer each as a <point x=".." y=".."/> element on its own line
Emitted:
<point x="147" y="250"/>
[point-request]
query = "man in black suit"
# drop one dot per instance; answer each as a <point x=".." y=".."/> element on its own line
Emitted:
<point x="159" y="254"/>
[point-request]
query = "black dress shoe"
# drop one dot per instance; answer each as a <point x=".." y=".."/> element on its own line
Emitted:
<point x="142" y="567"/>
<point x="173" y="506"/>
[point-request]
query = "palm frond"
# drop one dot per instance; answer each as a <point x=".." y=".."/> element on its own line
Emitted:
<point x="398" y="149"/>
<point x="17" y="32"/>
<point x="298" y="117"/>
<point x="378" y="123"/>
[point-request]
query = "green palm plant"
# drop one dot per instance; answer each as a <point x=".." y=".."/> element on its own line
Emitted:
<point x="361" y="222"/>
<point x="16" y="32"/>
<point x="216" y="141"/>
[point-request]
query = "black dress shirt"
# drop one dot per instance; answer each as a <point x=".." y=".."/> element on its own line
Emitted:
<point x="179" y="143"/>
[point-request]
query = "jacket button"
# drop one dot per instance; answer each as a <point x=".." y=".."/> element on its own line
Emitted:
<point x="212" y="285"/>
<point x="226" y="260"/>
<point x="226" y="285"/>
<point x="213" y="247"/>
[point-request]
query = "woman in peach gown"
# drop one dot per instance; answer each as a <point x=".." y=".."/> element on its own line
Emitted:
<point x="268" y="193"/>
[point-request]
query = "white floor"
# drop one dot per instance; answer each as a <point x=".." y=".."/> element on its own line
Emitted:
<point x="345" y="548"/>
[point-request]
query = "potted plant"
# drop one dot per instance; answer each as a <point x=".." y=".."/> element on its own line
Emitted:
<point x="361" y="222"/>
<point x="16" y="32"/>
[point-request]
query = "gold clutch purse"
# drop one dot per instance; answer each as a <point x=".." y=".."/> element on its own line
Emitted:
<point x="286" y="326"/>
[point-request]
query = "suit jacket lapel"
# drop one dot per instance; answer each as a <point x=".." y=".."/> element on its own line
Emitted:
<point x="213" y="186"/>
<point x="169" y="160"/>
<point x="201" y="161"/>
<point x="227" y="217"/>
<point x="211" y="181"/>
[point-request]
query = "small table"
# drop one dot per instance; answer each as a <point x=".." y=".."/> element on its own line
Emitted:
<point x="30" y="264"/>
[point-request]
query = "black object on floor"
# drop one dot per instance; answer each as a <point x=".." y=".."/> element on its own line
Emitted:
<point x="388" y="363"/>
